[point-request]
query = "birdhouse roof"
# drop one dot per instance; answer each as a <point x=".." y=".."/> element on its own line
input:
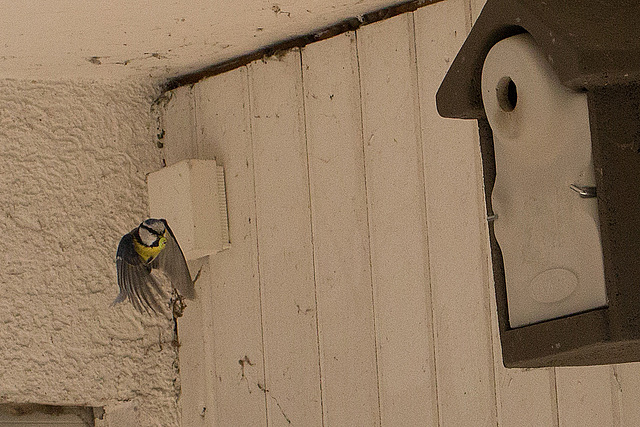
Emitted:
<point x="589" y="43"/>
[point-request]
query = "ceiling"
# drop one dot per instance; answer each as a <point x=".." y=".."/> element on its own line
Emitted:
<point x="118" y="39"/>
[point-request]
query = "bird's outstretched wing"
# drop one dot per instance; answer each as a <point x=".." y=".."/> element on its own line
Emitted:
<point x="172" y="263"/>
<point x="135" y="280"/>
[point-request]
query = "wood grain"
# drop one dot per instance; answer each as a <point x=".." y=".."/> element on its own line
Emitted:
<point x="464" y="358"/>
<point x="397" y="223"/>
<point x="285" y="249"/>
<point x="232" y="321"/>
<point x="340" y="233"/>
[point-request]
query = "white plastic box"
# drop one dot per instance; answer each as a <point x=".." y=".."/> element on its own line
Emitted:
<point x="190" y="195"/>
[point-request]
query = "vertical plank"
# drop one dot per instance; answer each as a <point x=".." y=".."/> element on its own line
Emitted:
<point x="232" y="321"/>
<point x="285" y="253"/>
<point x="464" y="360"/>
<point x="626" y="388"/>
<point x="193" y="381"/>
<point x="526" y="398"/>
<point x="585" y="396"/>
<point x="340" y="235"/>
<point x="195" y="400"/>
<point x="397" y="223"/>
<point x="179" y="144"/>
<point x="179" y="125"/>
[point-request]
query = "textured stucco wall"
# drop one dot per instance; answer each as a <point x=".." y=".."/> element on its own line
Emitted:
<point x="73" y="159"/>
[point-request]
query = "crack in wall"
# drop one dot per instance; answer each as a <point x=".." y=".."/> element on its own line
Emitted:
<point x="266" y="392"/>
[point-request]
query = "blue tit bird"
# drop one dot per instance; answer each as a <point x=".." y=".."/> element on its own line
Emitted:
<point x="147" y="256"/>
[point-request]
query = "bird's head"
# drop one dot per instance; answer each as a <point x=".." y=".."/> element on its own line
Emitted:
<point x="152" y="233"/>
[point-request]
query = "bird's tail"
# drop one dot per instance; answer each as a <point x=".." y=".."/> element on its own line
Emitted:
<point x="121" y="297"/>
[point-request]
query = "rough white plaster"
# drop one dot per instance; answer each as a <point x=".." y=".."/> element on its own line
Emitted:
<point x="121" y="38"/>
<point x="73" y="159"/>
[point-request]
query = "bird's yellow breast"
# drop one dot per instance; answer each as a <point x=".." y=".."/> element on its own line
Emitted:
<point x="148" y="253"/>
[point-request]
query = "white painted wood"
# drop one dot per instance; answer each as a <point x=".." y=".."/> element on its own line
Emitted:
<point x="626" y="391"/>
<point x="340" y="234"/>
<point x="585" y="396"/>
<point x="397" y="223"/>
<point x="232" y="322"/>
<point x="194" y="400"/>
<point x="285" y="252"/>
<point x="525" y="397"/>
<point x="460" y="291"/>
<point x="331" y="307"/>
<point x="180" y="144"/>
<point x="179" y="125"/>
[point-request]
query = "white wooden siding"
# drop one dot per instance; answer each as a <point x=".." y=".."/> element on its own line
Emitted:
<point x="397" y="222"/>
<point x="224" y="133"/>
<point x="464" y="362"/>
<point x="357" y="289"/>
<point x="285" y="247"/>
<point x="346" y="328"/>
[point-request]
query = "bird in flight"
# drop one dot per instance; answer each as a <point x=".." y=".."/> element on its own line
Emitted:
<point x="147" y="257"/>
